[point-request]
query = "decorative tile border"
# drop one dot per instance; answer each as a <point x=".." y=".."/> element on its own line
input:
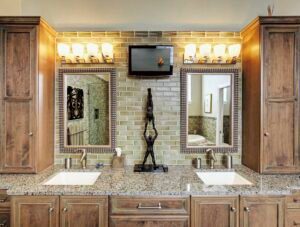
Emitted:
<point x="113" y="107"/>
<point x="183" y="110"/>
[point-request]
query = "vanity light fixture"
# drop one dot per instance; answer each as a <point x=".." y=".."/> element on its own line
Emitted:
<point x="92" y="50"/>
<point x="205" y="51"/>
<point x="234" y="51"/>
<point x="219" y="52"/>
<point x="209" y="54"/>
<point x="78" y="53"/>
<point x="107" y="52"/>
<point x="63" y="51"/>
<point x="190" y="53"/>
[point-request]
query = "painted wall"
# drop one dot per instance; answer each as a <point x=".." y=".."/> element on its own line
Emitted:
<point x="77" y="15"/>
<point x="10" y="7"/>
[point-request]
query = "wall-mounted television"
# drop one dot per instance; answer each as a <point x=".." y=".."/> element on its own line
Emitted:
<point x="150" y="60"/>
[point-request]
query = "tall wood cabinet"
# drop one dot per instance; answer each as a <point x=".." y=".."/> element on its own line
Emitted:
<point x="27" y="70"/>
<point x="271" y="61"/>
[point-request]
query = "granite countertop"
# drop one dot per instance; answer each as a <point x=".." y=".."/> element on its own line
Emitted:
<point x="180" y="180"/>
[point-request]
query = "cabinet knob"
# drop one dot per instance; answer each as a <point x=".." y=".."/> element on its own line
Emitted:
<point x="266" y="134"/>
<point x="30" y="134"/>
<point x="65" y="209"/>
<point x="247" y="209"/>
<point x="51" y="209"/>
<point x="233" y="209"/>
<point x="296" y="223"/>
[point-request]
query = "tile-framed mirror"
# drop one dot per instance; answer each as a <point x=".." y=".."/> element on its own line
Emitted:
<point x="209" y="109"/>
<point x="87" y="109"/>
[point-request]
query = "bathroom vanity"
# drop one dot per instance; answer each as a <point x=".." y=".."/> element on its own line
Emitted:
<point x="177" y="198"/>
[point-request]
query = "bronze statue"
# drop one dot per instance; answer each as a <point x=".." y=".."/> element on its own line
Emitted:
<point x="150" y="139"/>
<point x="150" y="142"/>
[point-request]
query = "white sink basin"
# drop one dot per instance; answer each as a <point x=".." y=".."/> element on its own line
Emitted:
<point x="222" y="178"/>
<point x="73" y="178"/>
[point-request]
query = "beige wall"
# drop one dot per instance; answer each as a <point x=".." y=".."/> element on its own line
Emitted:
<point x="10" y="7"/>
<point x="78" y="15"/>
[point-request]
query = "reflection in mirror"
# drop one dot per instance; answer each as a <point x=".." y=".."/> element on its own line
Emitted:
<point x="209" y="110"/>
<point x="87" y="111"/>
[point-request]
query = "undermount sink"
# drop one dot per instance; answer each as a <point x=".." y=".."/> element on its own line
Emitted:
<point x="222" y="178"/>
<point x="73" y="178"/>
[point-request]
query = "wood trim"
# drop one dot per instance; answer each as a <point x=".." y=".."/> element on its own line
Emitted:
<point x="113" y="107"/>
<point x="183" y="109"/>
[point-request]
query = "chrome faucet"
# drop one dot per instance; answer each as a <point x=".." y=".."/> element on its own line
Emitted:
<point x="83" y="158"/>
<point x="212" y="158"/>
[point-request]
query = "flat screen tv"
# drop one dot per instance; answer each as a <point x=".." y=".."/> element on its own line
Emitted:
<point x="146" y="60"/>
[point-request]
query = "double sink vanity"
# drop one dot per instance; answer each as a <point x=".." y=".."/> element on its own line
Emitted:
<point x="183" y="197"/>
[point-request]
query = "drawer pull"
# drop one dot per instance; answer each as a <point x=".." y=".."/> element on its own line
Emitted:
<point x="65" y="209"/>
<point x="247" y="209"/>
<point x="51" y="209"/>
<point x="140" y="206"/>
<point x="296" y="223"/>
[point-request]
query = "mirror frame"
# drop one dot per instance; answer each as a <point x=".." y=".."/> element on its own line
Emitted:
<point x="233" y="148"/>
<point x="61" y="113"/>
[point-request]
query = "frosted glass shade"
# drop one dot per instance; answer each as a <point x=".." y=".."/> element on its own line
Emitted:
<point x="234" y="50"/>
<point x="63" y="49"/>
<point x="219" y="50"/>
<point x="77" y="49"/>
<point x="92" y="49"/>
<point x="205" y="50"/>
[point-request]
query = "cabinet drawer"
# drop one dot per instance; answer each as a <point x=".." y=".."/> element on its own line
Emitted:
<point x="293" y="201"/>
<point x="149" y="205"/>
<point x="150" y="220"/>
<point x="292" y="218"/>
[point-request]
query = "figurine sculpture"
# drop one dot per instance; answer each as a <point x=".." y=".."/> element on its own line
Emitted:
<point x="150" y="139"/>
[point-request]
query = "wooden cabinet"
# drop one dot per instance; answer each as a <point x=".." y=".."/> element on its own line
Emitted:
<point x="27" y="69"/>
<point x="149" y="211"/>
<point x="4" y="209"/>
<point x="215" y="211"/>
<point x="35" y="211"/>
<point x="88" y="211"/>
<point x="292" y="212"/>
<point x="259" y="211"/>
<point x="270" y="110"/>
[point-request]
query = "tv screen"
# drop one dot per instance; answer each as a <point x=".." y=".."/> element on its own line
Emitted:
<point x="151" y="60"/>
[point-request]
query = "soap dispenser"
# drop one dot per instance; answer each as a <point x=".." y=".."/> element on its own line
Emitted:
<point x="228" y="162"/>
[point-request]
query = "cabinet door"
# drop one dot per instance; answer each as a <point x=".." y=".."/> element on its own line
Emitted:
<point x="262" y="212"/>
<point x="17" y="109"/>
<point x="35" y="211"/>
<point x="149" y="221"/>
<point x="281" y="99"/>
<point x="214" y="211"/>
<point x="78" y="211"/>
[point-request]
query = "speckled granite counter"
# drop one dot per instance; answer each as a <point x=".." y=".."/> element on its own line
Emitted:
<point x="180" y="180"/>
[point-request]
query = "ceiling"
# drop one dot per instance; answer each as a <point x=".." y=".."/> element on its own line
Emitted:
<point x="209" y="15"/>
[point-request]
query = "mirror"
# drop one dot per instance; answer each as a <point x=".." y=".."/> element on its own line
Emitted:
<point x="210" y="110"/>
<point x="86" y="108"/>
